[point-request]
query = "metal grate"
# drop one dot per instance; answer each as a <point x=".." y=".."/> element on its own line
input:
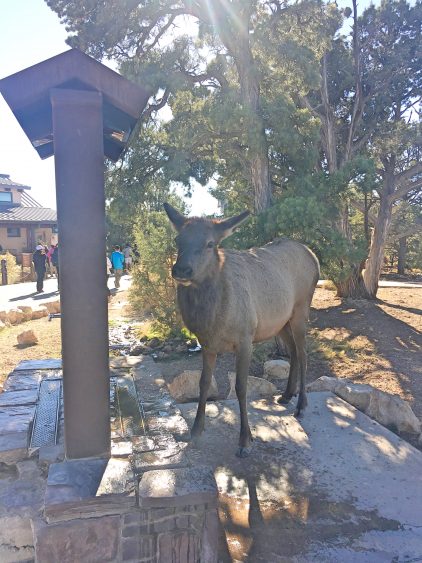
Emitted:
<point x="45" y="427"/>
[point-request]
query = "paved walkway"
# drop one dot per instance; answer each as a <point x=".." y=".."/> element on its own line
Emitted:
<point x="333" y="487"/>
<point x="24" y="293"/>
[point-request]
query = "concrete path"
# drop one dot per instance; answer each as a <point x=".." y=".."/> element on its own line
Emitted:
<point x="386" y="283"/>
<point x="12" y="296"/>
<point x="334" y="487"/>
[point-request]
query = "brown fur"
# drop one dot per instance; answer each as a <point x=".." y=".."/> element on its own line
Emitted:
<point x="231" y="299"/>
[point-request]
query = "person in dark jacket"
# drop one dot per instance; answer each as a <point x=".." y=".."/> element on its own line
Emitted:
<point x="55" y="262"/>
<point x="40" y="264"/>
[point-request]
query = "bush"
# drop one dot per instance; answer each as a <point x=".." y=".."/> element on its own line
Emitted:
<point x="153" y="289"/>
<point x="13" y="270"/>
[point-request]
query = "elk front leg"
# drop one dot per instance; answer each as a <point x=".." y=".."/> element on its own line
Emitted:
<point x="243" y="360"/>
<point x="208" y="364"/>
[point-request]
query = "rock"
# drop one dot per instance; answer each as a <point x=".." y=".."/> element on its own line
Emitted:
<point x="27" y="338"/>
<point x="391" y="411"/>
<point x="355" y="394"/>
<point x="53" y="307"/>
<point x="154" y="343"/>
<point x="181" y="348"/>
<point x="257" y="387"/>
<point x="185" y="387"/>
<point x="15" y="316"/>
<point x="3" y="316"/>
<point x="138" y="350"/>
<point x="39" y="313"/>
<point x="168" y="349"/>
<point x="276" y="369"/>
<point x="2" y="326"/>
<point x="326" y="383"/>
<point x="27" y="312"/>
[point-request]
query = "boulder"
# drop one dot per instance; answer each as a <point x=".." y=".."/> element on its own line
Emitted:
<point x="185" y="387"/>
<point x="355" y="394"/>
<point x="15" y="316"/>
<point x="53" y="307"/>
<point x="276" y="369"/>
<point x="27" y="312"/>
<point x="391" y="411"/>
<point x="2" y="326"/>
<point x="326" y="383"/>
<point x="27" y="338"/>
<point x="3" y="316"/>
<point x="138" y="350"/>
<point x="39" y="313"/>
<point x="257" y="387"/>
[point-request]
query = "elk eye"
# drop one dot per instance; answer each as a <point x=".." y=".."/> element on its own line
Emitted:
<point x="210" y="244"/>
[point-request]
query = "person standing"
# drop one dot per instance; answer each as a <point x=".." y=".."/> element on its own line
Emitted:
<point x="127" y="251"/>
<point x="55" y="262"/>
<point x="118" y="263"/>
<point x="40" y="263"/>
<point x="108" y="266"/>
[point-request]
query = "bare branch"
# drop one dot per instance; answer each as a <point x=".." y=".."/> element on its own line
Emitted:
<point x="405" y="189"/>
<point x="360" y="207"/>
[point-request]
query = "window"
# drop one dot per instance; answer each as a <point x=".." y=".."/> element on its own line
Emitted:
<point x="6" y="197"/>
<point x="13" y="232"/>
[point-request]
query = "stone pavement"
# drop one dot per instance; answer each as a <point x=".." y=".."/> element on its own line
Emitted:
<point x="334" y="487"/>
<point x="14" y="295"/>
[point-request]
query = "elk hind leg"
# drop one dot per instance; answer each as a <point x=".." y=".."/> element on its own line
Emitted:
<point x="243" y="360"/>
<point x="286" y="336"/>
<point x="208" y="364"/>
<point x="298" y="326"/>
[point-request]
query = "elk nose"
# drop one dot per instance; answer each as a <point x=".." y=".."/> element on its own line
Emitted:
<point x="182" y="272"/>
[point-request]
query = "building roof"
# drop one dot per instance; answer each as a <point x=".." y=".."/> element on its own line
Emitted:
<point x="27" y="215"/>
<point x="8" y="183"/>
<point x="29" y="211"/>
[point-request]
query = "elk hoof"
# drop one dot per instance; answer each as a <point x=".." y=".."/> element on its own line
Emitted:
<point x="284" y="399"/>
<point x="243" y="452"/>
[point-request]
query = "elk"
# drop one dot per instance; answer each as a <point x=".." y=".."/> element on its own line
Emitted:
<point x="230" y="299"/>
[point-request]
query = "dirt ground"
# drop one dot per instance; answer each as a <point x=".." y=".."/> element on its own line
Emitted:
<point x="377" y="342"/>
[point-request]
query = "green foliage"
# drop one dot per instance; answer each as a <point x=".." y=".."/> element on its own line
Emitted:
<point x="153" y="290"/>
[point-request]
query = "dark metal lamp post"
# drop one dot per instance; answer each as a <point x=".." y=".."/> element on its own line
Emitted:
<point x="79" y="110"/>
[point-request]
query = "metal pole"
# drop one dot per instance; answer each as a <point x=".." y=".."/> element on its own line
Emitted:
<point x="3" y="272"/>
<point x="79" y="164"/>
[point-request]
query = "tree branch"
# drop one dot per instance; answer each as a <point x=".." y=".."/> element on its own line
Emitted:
<point x="405" y="189"/>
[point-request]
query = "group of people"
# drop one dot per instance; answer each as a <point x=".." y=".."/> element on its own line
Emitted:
<point x="45" y="258"/>
<point x="120" y="261"/>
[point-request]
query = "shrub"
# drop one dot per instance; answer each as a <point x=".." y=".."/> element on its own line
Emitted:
<point x="153" y="289"/>
<point x="13" y="270"/>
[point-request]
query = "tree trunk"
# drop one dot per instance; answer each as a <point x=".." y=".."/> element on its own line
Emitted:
<point x="353" y="286"/>
<point x="257" y="141"/>
<point x="376" y="252"/>
<point x="401" y="263"/>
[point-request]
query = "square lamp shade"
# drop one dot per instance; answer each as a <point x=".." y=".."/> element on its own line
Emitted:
<point x="28" y="95"/>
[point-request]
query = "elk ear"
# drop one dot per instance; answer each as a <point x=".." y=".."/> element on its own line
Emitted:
<point x="176" y="218"/>
<point x="227" y="227"/>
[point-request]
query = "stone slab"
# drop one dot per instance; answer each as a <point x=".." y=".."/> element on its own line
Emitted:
<point x="160" y="459"/>
<point x="16" y="418"/>
<point x="26" y="365"/>
<point x="83" y="476"/>
<point x="177" y="487"/>
<point x="92" y="539"/>
<point x="13" y="447"/>
<point x="19" y="398"/>
<point x="20" y="382"/>
<point x="328" y="487"/>
<point x="118" y="478"/>
<point x="125" y="362"/>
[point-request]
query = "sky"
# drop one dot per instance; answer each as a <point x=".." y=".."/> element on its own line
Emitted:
<point x="31" y="33"/>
